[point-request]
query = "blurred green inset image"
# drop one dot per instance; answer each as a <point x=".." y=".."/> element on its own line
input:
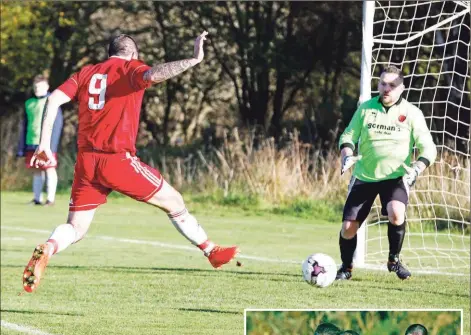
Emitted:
<point x="415" y="322"/>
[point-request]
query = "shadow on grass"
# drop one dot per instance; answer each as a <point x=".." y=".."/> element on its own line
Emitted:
<point x="415" y="289"/>
<point x="206" y="310"/>
<point x="38" y="312"/>
<point x="184" y="271"/>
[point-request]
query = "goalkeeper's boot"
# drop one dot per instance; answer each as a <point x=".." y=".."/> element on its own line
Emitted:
<point x="222" y="255"/>
<point x="36" y="267"/>
<point x="395" y="265"/>
<point x="344" y="273"/>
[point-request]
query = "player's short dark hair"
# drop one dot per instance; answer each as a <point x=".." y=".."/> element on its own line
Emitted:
<point x="396" y="70"/>
<point x="416" y="329"/>
<point x="326" y="329"/>
<point x="348" y="332"/>
<point x="122" y="45"/>
<point x="39" y="78"/>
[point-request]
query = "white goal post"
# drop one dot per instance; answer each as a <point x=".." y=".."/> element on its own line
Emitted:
<point x="430" y="42"/>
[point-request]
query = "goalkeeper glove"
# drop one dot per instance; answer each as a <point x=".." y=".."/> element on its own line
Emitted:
<point x="348" y="162"/>
<point x="412" y="173"/>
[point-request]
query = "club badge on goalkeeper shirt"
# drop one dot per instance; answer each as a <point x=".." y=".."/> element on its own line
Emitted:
<point x="387" y="127"/>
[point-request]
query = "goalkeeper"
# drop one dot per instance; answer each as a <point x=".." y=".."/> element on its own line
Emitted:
<point x="385" y="128"/>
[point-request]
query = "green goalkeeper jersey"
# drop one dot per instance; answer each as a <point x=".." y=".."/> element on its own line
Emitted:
<point x="385" y="139"/>
<point x="34" y="108"/>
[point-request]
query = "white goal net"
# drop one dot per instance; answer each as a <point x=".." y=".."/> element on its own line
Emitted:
<point x="430" y="42"/>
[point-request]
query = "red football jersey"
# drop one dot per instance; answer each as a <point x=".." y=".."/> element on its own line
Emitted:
<point x="109" y="95"/>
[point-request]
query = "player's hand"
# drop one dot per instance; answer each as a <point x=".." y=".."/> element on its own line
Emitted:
<point x="412" y="173"/>
<point x="199" y="53"/>
<point x="348" y="162"/>
<point x="42" y="157"/>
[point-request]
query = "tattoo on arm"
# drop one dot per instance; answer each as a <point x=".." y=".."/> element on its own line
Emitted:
<point x="165" y="71"/>
<point x="44" y="113"/>
<point x="46" y="125"/>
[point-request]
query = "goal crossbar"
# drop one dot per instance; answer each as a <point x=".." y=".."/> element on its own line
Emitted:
<point x="419" y="34"/>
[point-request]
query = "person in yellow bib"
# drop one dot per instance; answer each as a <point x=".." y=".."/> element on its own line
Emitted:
<point x="30" y="133"/>
<point x="384" y="130"/>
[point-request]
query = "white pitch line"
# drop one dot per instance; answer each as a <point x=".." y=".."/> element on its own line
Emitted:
<point x="241" y="256"/>
<point x="23" y="329"/>
<point x="14" y="238"/>
<point x="25" y="229"/>
<point x="188" y="248"/>
<point x="158" y="244"/>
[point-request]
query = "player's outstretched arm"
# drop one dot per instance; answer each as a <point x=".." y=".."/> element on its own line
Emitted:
<point x="54" y="101"/>
<point x="43" y="154"/>
<point x="162" y="72"/>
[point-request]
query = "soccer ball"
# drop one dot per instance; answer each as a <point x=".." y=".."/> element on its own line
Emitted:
<point x="319" y="270"/>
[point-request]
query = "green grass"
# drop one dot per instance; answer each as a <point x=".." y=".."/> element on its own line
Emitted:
<point x="296" y="207"/>
<point x="107" y="286"/>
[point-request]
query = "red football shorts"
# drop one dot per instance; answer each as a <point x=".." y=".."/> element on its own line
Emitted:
<point x="97" y="174"/>
<point x="29" y="155"/>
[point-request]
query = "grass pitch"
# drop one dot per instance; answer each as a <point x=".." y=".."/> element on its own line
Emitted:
<point x="135" y="274"/>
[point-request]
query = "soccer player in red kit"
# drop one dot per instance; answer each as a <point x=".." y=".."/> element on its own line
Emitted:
<point x="109" y="96"/>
